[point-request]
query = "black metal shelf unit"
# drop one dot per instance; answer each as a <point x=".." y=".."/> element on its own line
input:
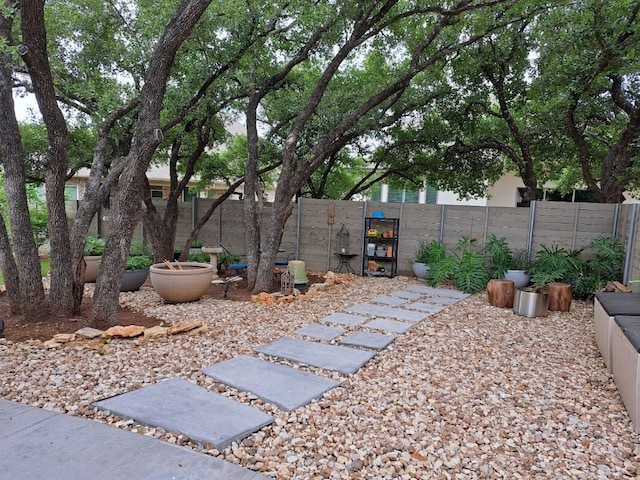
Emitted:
<point x="380" y="247"/>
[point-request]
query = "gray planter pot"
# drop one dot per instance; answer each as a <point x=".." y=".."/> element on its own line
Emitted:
<point x="187" y="282"/>
<point x="520" y="278"/>
<point x="420" y="269"/>
<point x="132" y="280"/>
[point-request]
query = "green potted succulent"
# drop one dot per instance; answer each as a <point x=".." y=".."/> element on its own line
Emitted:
<point x="93" y="250"/>
<point x="135" y="273"/>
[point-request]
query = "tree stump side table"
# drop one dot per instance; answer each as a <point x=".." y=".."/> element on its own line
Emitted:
<point x="501" y="293"/>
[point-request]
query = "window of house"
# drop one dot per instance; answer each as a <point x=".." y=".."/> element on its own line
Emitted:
<point x="71" y="192"/>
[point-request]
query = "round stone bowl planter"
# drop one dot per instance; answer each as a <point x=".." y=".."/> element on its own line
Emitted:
<point x="420" y="269"/>
<point x="132" y="280"/>
<point x="93" y="268"/>
<point x="186" y="282"/>
<point x="520" y="278"/>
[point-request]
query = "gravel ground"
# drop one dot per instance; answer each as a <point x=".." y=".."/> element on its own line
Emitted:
<point x="472" y="392"/>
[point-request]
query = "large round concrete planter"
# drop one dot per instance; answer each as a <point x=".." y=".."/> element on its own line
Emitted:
<point x="420" y="269"/>
<point x="132" y="280"/>
<point x="520" y="278"/>
<point x="93" y="268"/>
<point x="187" y="282"/>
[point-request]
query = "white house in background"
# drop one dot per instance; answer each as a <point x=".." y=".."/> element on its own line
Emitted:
<point x="506" y="192"/>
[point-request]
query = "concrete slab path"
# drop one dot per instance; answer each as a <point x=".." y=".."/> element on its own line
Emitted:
<point x="39" y="444"/>
<point x="178" y="405"/>
<point x="330" y="357"/>
<point x="286" y="387"/>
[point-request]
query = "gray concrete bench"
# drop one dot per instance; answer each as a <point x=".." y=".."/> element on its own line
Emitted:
<point x="606" y="306"/>
<point x="626" y="364"/>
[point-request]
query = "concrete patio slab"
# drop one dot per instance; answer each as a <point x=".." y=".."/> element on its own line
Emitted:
<point x="375" y="341"/>
<point x="439" y="292"/>
<point x="442" y="300"/>
<point x="181" y="406"/>
<point x="330" y="357"/>
<point x="321" y="332"/>
<point x="37" y="444"/>
<point x="393" y="326"/>
<point x="407" y="295"/>
<point x="387" y="312"/>
<point x="344" y="319"/>
<point x="286" y="387"/>
<point x="390" y="300"/>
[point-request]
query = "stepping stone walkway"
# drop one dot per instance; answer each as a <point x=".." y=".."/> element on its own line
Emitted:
<point x="207" y="417"/>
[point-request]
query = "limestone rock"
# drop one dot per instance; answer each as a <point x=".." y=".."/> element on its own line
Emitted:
<point x="183" y="327"/>
<point x="154" y="332"/>
<point x="64" y="337"/>
<point x="88" y="333"/>
<point x="119" y="331"/>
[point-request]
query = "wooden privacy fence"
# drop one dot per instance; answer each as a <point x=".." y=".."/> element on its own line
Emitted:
<point x="314" y="224"/>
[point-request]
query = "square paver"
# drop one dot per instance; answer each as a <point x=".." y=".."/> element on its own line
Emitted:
<point x="375" y="341"/>
<point x="388" y="312"/>
<point x="344" y="319"/>
<point x="393" y="326"/>
<point x="390" y="300"/>
<point x="181" y="406"/>
<point x="321" y="332"/>
<point x="407" y="295"/>
<point x="286" y="387"/>
<point x="331" y="357"/>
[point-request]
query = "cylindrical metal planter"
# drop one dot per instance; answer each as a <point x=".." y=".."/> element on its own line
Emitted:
<point x="531" y="303"/>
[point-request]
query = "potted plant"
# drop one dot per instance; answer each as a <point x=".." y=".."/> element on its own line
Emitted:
<point x="135" y="273"/>
<point x="518" y="270"/>
<point x="196" y="247"/>
<point x="93" y="250"/>
<point x="178" y="282"/>
<point x="426" y="255"/>
<point x="227" y="258"/>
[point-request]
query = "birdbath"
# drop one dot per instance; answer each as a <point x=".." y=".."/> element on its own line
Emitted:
<point x="213" y="258"/>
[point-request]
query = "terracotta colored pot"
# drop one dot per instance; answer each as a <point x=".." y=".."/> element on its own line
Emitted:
<point x="93" y="268"/>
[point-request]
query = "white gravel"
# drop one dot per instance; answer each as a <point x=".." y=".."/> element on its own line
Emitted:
<point x="472" y="392"/>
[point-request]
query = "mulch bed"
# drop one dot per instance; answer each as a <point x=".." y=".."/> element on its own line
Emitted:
<point x="17" y="331"/>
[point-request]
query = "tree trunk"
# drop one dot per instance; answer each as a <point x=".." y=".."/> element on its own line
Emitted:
<point x="559" y="296"/>
<point x="501" y="293"/>
<point x="9" y="270"/>
<point x="34" y="52"/>
<point x="146" y="138"/>
<point x="26" y="275"/>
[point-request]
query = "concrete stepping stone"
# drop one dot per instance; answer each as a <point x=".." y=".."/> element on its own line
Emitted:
<point x="38" y="444"/>
<point x="181" y="406"/>
<point x="390" y="300"/>
<point x="321" y="332"/>
<point x="438" y="292"/>
<point x="427" y="307"/>
<point x="375" y="341"/>
<point x="388" y="312"/>
<point x="330" y="357"/>
<point x="407" y="295"/>
<point x="393" y="326"/>
<point x="286" y="387"/>
<point x="442" y="300"/>
<point x="344" y="319"/>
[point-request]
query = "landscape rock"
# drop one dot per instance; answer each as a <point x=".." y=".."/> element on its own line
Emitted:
<point x="120" y="331"/>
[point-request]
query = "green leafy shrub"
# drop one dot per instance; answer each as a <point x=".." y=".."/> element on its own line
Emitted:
<point x="198" y="257"/>
<point x="94" y="246"/>
<point x="501" y="256"/>
<point x="430" y="252"/>
<point x="138" y="262"/>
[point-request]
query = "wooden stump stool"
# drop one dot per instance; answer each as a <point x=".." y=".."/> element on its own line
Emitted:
<point x="559" y="296"/>
<point x="501" y="293"/>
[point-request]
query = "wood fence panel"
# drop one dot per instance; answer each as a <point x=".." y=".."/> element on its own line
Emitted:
<point x="511" y="224"/>
<point x="461" y="221"/>
<point x="419" y="223"/>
